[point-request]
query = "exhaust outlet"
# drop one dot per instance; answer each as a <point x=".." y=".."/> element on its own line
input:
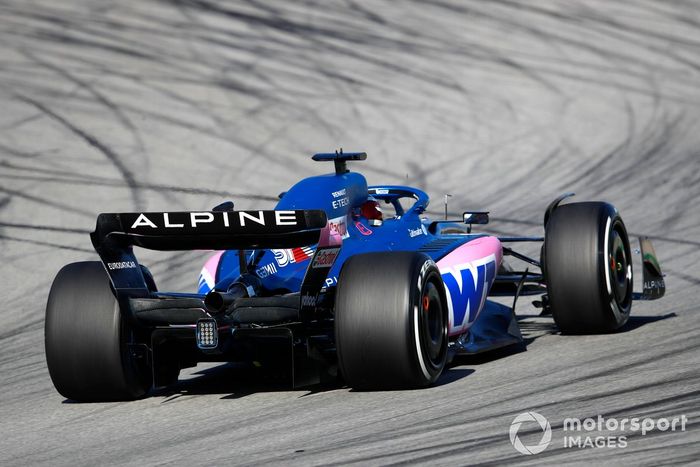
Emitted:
<point x="216" y="302"/>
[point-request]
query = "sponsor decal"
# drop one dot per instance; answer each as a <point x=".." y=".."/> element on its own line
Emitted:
<point x="224" y="219"/>
<point x="294" y="255"/>
<point x="466" y="287"/>
<point x="325" y="258"/>
<point x="339" y="226"/>
<point x="266" y="270"/>
<point x="587" y="433"/>
<point x="282" y="257"/>
<point x="362" y="229"/>
<point x="302" y="253"/>
<point x="381" y="191"/>
<point x="655" y="284"/>
<point x="339" y="193"/>
<point x="331" y="281"/>
<point x="424" y="269"/>
<point x="339" y="203"/>
<point x="122" y="265"/>
<point x="417" y="232"/>
<point x="143" y="221"/>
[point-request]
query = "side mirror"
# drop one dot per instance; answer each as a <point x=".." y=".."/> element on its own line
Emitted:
<point x="479" y="217"/>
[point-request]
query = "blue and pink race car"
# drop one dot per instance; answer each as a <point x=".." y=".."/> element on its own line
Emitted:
<point x="341" y="279"/>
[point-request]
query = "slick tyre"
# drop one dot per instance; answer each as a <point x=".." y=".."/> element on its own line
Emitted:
<point x="390" y="321"/>
<point x="588" y="268"/>
<point x="86" y="338"/>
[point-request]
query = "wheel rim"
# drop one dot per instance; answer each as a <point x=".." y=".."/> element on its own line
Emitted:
<point x="619" y="267"/>
<point x="432" y="324"/>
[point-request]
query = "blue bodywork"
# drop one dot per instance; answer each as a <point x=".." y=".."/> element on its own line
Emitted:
<point x="341" y="195"/>
<point x="404" y="229"/>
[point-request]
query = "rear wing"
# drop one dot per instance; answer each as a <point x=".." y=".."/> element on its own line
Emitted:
<point x="116" y="234"/>
<point x="209" y="230"/>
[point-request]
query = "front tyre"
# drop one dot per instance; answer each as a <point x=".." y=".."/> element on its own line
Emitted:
<point x="390" y="321"/>
<point x="86" y="338"/>
<point x="588" y="268"/>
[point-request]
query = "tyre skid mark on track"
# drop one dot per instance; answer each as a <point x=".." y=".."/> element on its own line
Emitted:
<point x="28" y="325"/>
<point x="571" y="48"/>
<point x="47" y="202"/>
<point x="51" y="228"/>
<point x="43" y="243"/>
<point x="497" y="440"/>
<point x="449" y="421"/>
<point x="97" y="95"/>
<point x="141" y="186"/>
<point x="683" y="276"/>
<point x="93" y="141"/>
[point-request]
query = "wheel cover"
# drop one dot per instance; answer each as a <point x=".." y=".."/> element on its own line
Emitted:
<point x="619" y="267"/>
<point x="432" y="325"/>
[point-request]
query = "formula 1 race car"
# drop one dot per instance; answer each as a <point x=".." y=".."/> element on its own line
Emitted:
<point x="328" y="285"/>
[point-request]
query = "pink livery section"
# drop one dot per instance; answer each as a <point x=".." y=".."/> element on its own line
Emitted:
<point x="207" y="278"/>
<point x="468" y="273"/>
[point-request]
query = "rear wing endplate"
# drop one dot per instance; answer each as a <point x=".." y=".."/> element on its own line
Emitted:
<point x="653" y="285"/>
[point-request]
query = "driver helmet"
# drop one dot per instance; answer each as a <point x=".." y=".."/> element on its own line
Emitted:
<point x="371" y="211"/>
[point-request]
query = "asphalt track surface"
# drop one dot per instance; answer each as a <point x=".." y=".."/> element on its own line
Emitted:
<point x="177" y="105"/>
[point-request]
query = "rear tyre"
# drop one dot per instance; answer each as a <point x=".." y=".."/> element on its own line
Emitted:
<point x="588" y="268"/>
<point x="86" y="338"/>
<point x="390" y="321"/>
